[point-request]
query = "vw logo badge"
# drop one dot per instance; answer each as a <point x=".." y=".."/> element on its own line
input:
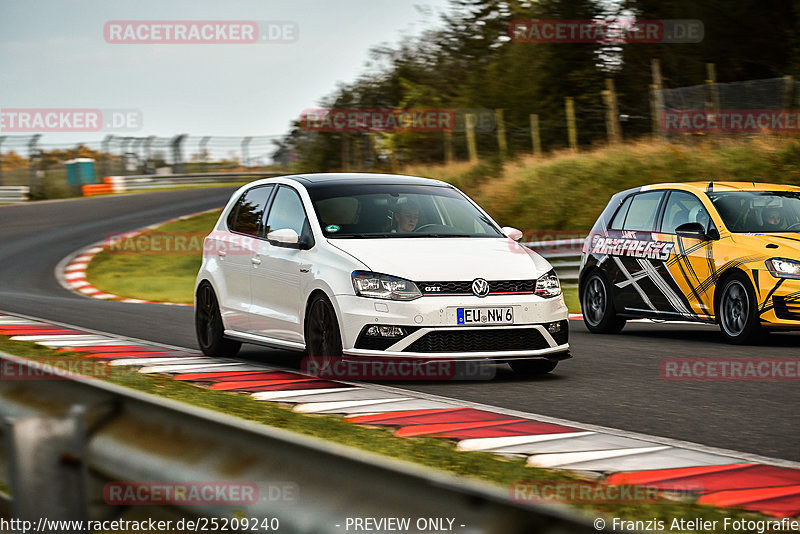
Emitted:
<point x="480" y="287"/>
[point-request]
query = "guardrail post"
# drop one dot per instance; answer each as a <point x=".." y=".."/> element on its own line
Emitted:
<point x="47" y="467"/>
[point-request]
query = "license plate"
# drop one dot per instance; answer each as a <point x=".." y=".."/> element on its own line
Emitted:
<point x="485" y="315"/>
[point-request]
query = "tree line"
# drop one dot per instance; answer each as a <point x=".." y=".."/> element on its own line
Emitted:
<point x="470" y="61"/>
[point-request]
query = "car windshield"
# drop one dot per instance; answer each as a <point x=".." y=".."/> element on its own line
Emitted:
<point x="758" y="211"/>
<point x="396" y="210"/>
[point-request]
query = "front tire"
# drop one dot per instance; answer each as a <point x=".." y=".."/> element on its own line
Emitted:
<point x="323" y="339"/>
<point x="209" y="327"/>
<point x="738" y="311"/>
<point x="533" y="367"/>
<point x="597" y="304"/>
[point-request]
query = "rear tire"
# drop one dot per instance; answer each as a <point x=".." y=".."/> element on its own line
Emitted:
<point x="209" y="327"/>
<point x="322" y="336"/>
<point x="533" y="367"/>
<point x="597" y="305"/>
<point x="738" y="311"/>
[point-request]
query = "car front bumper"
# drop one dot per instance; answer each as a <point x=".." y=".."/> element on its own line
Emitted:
<point x="434" y="328"/>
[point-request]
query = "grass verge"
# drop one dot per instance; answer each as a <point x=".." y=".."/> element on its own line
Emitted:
<point x="434" y="453"/>
<point x="143" y="268"/>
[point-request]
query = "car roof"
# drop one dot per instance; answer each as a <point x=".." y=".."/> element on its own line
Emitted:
<point x="312" y="180"/>
<point x="710" y="186"/>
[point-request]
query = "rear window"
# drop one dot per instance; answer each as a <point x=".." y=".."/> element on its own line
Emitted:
<point x="642" y="212"/>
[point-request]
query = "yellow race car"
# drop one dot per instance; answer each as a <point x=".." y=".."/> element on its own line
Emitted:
<point x="715" y="252"/>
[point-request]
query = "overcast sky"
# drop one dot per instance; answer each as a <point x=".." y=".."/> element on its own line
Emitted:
<point x="53" y="54"/>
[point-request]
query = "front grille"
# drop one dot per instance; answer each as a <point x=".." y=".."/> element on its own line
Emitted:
<point x="786" y="309"/>
<point x="479" y="340"/>
<point x="496" y="287"/>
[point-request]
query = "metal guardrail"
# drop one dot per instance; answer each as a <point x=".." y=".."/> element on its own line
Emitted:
<point x="153" y="181"/>
<point x="564" y="255"/>
<point x="65" y="439"/>
<point x="10" y="194"/>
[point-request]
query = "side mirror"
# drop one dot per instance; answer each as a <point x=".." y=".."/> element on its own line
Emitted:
<point x="512" y="233"/>
<point x="284" y="237"/>
<point x="692" y="230"/>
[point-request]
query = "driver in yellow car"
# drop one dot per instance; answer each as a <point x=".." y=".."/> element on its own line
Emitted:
<point x="773" y="219"/>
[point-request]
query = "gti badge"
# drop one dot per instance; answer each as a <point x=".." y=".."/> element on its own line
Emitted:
<point x="480" y="287"/>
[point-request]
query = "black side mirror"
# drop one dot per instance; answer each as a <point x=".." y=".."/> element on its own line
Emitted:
<point x="692" y="230"/>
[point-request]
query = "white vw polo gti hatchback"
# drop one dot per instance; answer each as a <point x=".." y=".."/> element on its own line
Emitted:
<point x="375" y="266"/>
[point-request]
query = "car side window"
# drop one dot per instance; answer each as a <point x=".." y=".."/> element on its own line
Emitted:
<point x="246" y="215"/>
<point x="682" y="208"/>
<point x="619" y="217"/>
<point x="641" y="215"/>
<point x="286" y="212"/>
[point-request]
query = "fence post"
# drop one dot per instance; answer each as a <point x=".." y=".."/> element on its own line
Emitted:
<point x="202" y="147"/>
<point x="372" y="146"/>
<point x="177" y="153"/>
<point x="657" y="97"/>
<point x="34" y="158"/>
<point x="358" y="156"/>
<point x="148" y="155"/>
<point x="125" y="154"/>
<point x="501" y="133"/>
<point x="711" y="83"/>
<point x="345" y="151"/>
<point x="535" y="136"/>
<point x="448" y="147"/>
<point x="572" y="130"/>
<point x="788" y="91"/>
<point x="612" y="115"/>
<point x="471" y="145"/>
<point x="246" y="151"/>
<point x="104" y="158"/>
<point x="137" y="149"/>
<point x="2" y="138"/>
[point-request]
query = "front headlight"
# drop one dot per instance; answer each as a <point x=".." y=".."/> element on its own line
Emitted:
<point x="383" y="286"/>
<point x="783" y="268"/>
<point x="548" y="285"/>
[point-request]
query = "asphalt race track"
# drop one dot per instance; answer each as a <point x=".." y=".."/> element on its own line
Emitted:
<point x="613" y="381"/>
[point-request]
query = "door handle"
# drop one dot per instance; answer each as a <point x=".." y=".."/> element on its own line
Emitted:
<point x="221" y="253"/>
<point x="255" y="261"/>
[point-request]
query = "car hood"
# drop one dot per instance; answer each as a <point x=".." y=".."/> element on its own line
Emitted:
<point x="446" y="259"/>
<point x="788" y="244"/>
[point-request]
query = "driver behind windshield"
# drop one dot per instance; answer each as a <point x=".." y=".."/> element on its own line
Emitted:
<point x="773" y="219"/>
<point x="406" y="216"/>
